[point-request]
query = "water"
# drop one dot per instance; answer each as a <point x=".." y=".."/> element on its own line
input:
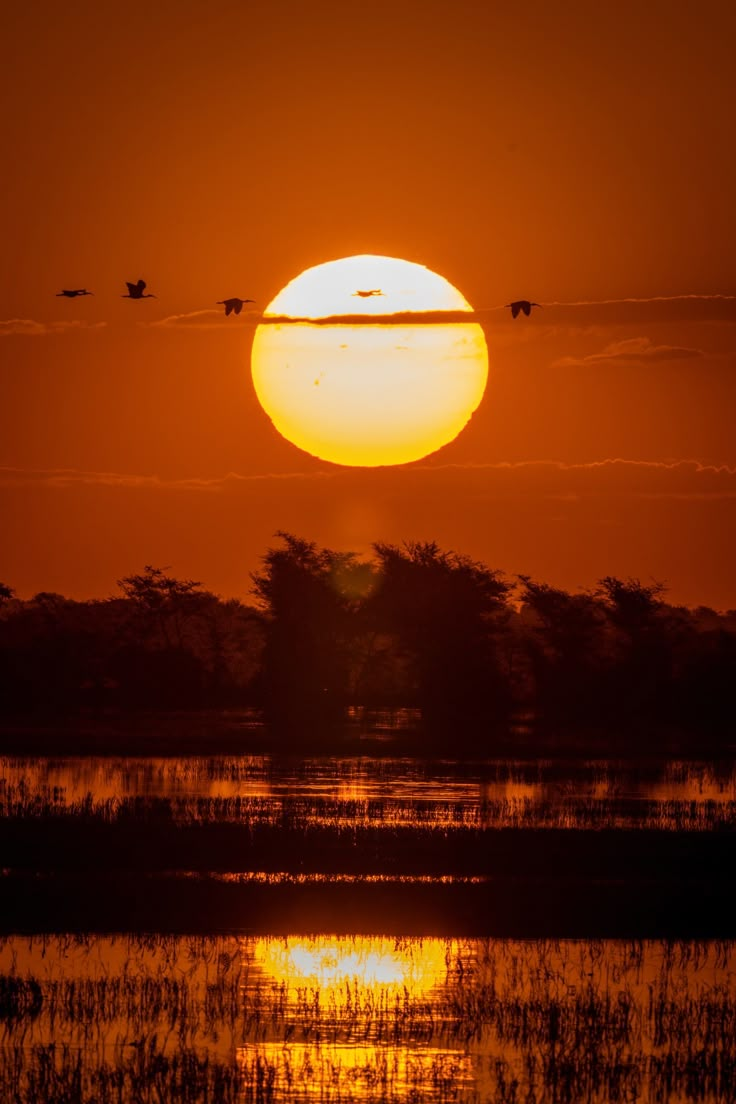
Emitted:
<point x="239" y="848"/>
<point x="403" y="792"/>
<point x="366" y="1019"/>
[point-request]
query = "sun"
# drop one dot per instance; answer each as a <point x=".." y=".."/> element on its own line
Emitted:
<point x="366" y="361"/>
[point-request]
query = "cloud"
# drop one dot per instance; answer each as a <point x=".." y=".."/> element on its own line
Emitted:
<point x="608" y="478"/>
<point x="580" y="313"/>
<point x="630" y="311"/>
<point x="71" y="477"/>
<point x="202" y="320"/>
<point x="613" y="477"/>
<point x="398" y="318"/>
<point x="29" y="327"/>
<point x="634" y="350"/>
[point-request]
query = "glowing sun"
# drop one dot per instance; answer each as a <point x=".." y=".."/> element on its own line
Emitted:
<point x="346" y="372"/>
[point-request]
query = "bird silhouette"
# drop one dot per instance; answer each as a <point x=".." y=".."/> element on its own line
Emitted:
<point x="367" y="294"/>
<point x="73" y="292"/>
<point x="234" y="305"/>
<point x="135" y="291"/>
<point x="522" y="305"/>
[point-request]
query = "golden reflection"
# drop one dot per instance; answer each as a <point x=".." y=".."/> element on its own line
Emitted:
<point x="356" y="988"/>
<point x="366" y="1020"/>
<point x="353" y="788"/>
<point x="361" y="1072"/>
<point x="334" y="964"/>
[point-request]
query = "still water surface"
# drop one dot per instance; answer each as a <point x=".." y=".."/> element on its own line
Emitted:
<point x="151" y="1018"/>
<point x="401" y="792"/>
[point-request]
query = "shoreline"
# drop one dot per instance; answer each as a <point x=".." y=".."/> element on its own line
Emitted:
<point x="503" y="908"/>
<point x="243" y="732"/>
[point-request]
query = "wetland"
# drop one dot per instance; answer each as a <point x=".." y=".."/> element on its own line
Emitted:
<point x="336" y="928"/>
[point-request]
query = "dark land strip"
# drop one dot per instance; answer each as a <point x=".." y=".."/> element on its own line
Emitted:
<point x="96" y="876"/>
<point x="89" y="845"/>
<point x="244" y="732"/>
<point x="558" y="907"/>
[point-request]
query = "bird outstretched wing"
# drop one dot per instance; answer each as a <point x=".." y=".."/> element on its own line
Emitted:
<point x="132" y="288"/>
<point x="229" y="307"/>
<point x="141" y="285"/>
<point x="237" y="307"/>
<point x="515" y="307"/>
<point x="527" y="308"/>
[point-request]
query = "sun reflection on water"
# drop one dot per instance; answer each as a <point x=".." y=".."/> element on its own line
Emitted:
<point x="369" y="1020"/>
<point x="411" y="967"/>
<point x="354" y="988"/>
<point x="341" y="1072"/>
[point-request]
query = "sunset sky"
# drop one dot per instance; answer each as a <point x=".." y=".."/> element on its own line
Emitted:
<point x="580" y="156"/>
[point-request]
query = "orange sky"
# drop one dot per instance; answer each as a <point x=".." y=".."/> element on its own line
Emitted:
<point x="569" y="154"/>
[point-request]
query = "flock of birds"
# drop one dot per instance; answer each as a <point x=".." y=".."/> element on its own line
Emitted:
<point x="234" y="305"/>
<point x="519" y="306"/>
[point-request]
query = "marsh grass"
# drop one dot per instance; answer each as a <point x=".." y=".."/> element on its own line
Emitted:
<point x="399" y="791"/>
<point x="19" y="802"/>
<point x="162" y="1018"/>
<point x="248" y="844"/>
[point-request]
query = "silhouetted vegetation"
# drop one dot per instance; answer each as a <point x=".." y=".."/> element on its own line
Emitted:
<point x="432" y="839"/>
<point x="312" y="598"/>
<point x="149" y="1019"/>
<point x="166" y="643"/>
<point x="445" y="616"/>
<point x="415" y="626"/>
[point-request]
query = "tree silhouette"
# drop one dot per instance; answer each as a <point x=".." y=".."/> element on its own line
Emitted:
<point x="445" y="612"/>
<point x="641" y="643"/>
<point x="164" y="602"/>
<point x="201" y="648"/>
<point x="416" y="626"/>
<point x="310" y="597"/>
<point x="564" y="643"/>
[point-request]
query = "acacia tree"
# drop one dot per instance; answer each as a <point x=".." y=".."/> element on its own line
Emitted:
<point x="162" y="663"/>
<point x="164" y="602"/>
<point x="564" y="642"/>
<point x="310" y="597"/>
<point x="643" y="637"/>
<point x="446" y="612"/>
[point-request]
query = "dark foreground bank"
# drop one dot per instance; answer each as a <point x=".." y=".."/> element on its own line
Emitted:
<point x="556" y="907"/>
<point x="386" y="733"/>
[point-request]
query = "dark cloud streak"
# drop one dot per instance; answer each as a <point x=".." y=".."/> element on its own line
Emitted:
<point x="536" y="478"/>
<point x="675" y="308"/>
<point x="634" y="350"/>
<point x="30" y="327"/>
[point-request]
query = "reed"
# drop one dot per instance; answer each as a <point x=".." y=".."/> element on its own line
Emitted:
<point x="152" y="1019"/>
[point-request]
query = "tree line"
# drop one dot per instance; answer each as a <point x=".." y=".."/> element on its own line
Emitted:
<point x="414" y="626"/>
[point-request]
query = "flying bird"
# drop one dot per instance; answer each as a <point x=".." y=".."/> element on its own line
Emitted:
<point x="522" y="305"/>
<point x="73" y="292"/>
<point x="367" y="294"/>
<point x="234" y="305"/>
<point x="135" y="291"/>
